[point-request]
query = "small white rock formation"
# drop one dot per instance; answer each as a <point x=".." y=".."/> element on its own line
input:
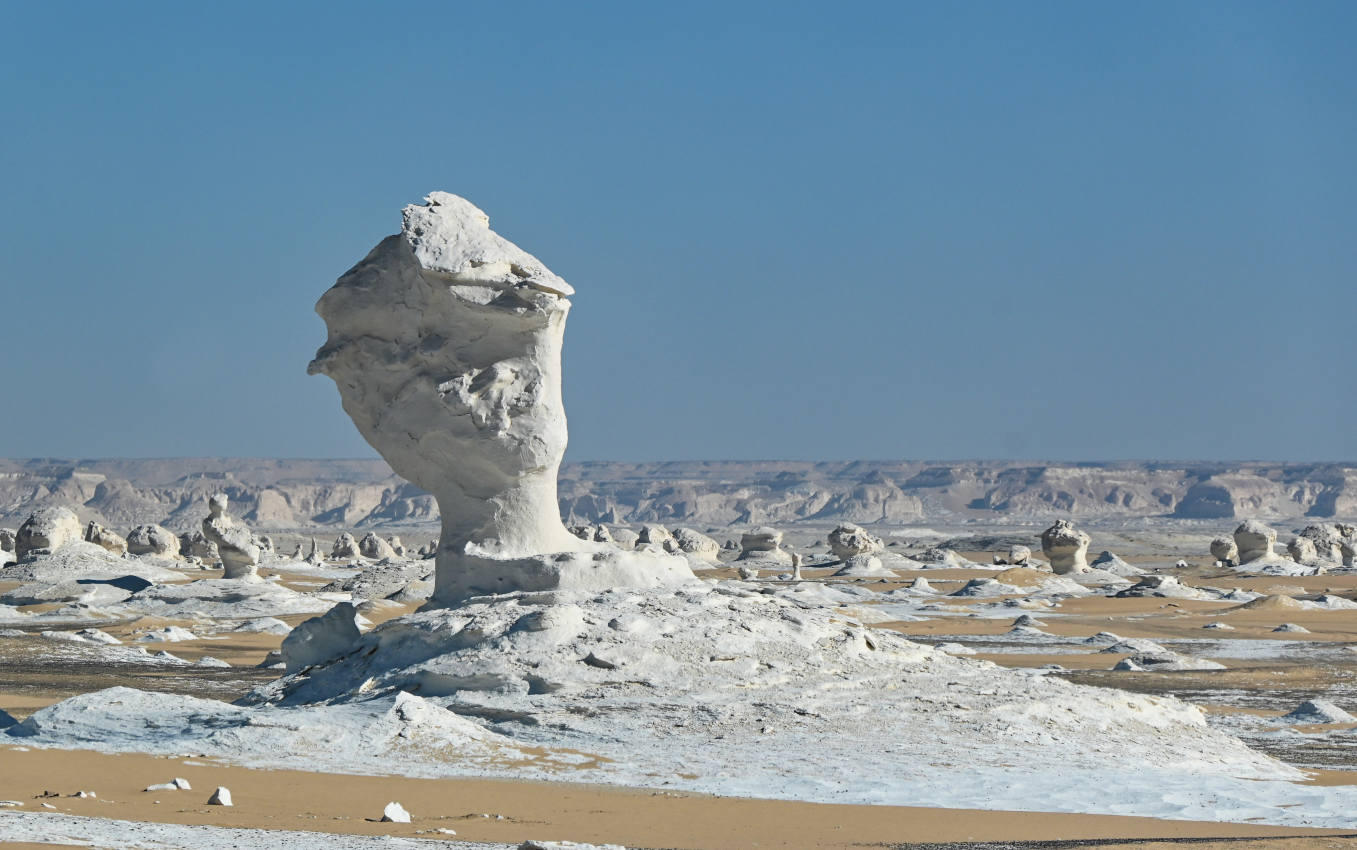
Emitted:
<point x="236" y="546"/>
<point x="1019" y="555"/>
<point x="194" y="544"/>
<point x="1066" y="547"/>
<point x="100" y="536"/>
<point x="314" y="557"/>
<point x="7" y="539"/>
<point x="764" y="544"/>
<point x="396" y="546"/>
<point x="1348" y="551"/>
<point x="374" y="547"/>
<point x="1302" y="550"/>
<point x="1224" y="550"/>
<point x="47" y="528"/>
<point x="395" y="813"/>
<point x="653" y="534"/>
<point x="697" y="544"/>
<point x="849" y="540"/>
<point x="321" y="638"/>
<point x="445" y="345"/>
<point x="1254" y="541"/>
<point x="345" y="548"/>
<point x="152" y="540"/>
<point x="220" y="797"/>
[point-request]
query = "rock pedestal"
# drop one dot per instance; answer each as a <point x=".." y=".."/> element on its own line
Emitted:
<point x="1254" y="541"/>
<point x="445" y="345"/>
<point x="236" y="546"/>
<point x="1066" y="547"/>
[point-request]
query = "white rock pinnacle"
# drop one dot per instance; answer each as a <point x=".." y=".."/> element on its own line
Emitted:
<point x="445" y="344"/>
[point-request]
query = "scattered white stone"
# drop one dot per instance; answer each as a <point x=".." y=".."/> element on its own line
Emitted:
<point x="220" y="797"/>
<point x="176" y="784"/>
<point x="395" y="813"/>
<point x="1293" y="628"/>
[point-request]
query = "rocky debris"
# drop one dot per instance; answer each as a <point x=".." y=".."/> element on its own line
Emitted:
<point x="100" y="536"/>
<point x="321" y="638"/>
<point x="176" y="784"/>
<point x="380" y="581"/>
<point x="1224" y="550"/>
<point x="395" y="813"/>
<point x="1254" y="540"/>
<point x="1317" y="712"/>
<point x="1065" y="547"/>
<point x="1162" y="586"/>
<point x="236" y="546"/>
<point x="764" y="544"/>
<point x="849" y="540"/>
<point x="220" y="797"/>
<point x="375" y="548"/>
<point x="47" y="528"/>
<point x="345" y="548"/>
<point x="445" y="345"/>
<point x="195" y="544"/>
<point x="697" y="544"/>
<point x="1302" y="550"/>
<point x="152" y="540"/>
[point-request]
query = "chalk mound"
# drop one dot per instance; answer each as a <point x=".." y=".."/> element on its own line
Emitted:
<point x="1111" y="563"/>
<point x="226" y="599"/>
<point x="1318" y="711"/>
<point x="1162" y="586"/>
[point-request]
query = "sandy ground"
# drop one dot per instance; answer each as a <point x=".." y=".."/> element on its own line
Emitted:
<point x="281" y="799"/>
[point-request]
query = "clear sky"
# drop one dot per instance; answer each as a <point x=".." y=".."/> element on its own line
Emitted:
<point x="797" y="230"/>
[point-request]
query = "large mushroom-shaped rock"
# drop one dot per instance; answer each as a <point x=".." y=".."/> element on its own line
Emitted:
<point x="764" y="544"/>
<point x="1224" y="550"/>
<point x="372" y="546"/>
<point x="47" y="528"/>
<point x="236" y="546"/>
<point x="152" y="540"/>
<point x="100" y="536"/>
<point x="849" y="540"/>
<point x="1254" y="541"/>
<point x="1066" y="547"/>
<point x="445" y="345"/>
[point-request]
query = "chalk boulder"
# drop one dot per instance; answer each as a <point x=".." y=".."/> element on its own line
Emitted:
<point x="236" y="546"/>
<point x="445" y="345"/>
<point x="194" y="544"/>
<point x="345" y="548"/>
<point x="47" y="528"/>
<point x="100" y="536"/>
<point x="374" y="547"/>
<point x="1254" y="540"/>
<point x="1066" y="547"/>
<point x="152" y="540"/>
<point x="764" y="544"/>
<point x="1224" y="550"/>
<point x="697" y="544"/>
<point x="321" y="638"/>
<point x="849" y="540"/>
<point x="1302" y="550"/>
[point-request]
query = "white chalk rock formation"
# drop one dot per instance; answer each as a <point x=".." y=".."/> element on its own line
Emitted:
<point x="654" y="534"/>
<point x="47" y="528"/>
<point x="1302" y="550"/>
<point x="110" y="540"/>
<point x="1066" y="547"/>
<point x="345" y="548"/>
<point x="697" y="544"/>
<point x="1224" y="550"/>
<point x="194" y="544"/>
<point x="220" y="797"/>
<point x="1019" y="555"/>
<point x="7" y="539"/>
<point x="395" y="813"/>
<point x="1254" y="541"/>
<point x="152" y="540"/>
<point x="321" y="638"/>
<point x="374" y="547"/>
<point x="849" y="540"/>
<point x="445" y="345"/>
<point x="236" y="546"/>
<point x="764" y="544"/>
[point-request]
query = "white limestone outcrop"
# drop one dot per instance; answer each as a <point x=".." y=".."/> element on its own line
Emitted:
<point x="1302" y="550"/>
<point x="849" y="540"/>
<point x="47" y="528"/>
<point x="321" y="638"/>
<point x="345" y="548"/>
<point x="1254" y="540"/>
<point x="374" y="547"/>
<point x="1066" y="547"/>
<point x="100" y="536"/>
<point x="764" y="544"/>
<point x="1224" y="550"/>
<point x="697" y="544"/>
<point x="445" y="345"/>
<point x="236" y="546"/>
<point x="152" y="540"/>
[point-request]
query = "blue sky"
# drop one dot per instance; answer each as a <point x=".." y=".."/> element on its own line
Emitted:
<point x="821" y="231"/>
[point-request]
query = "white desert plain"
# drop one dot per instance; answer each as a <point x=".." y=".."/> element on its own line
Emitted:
<point x="494" y="651"/>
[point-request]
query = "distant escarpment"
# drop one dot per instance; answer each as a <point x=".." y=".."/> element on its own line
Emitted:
<point x="275" y="494"/>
